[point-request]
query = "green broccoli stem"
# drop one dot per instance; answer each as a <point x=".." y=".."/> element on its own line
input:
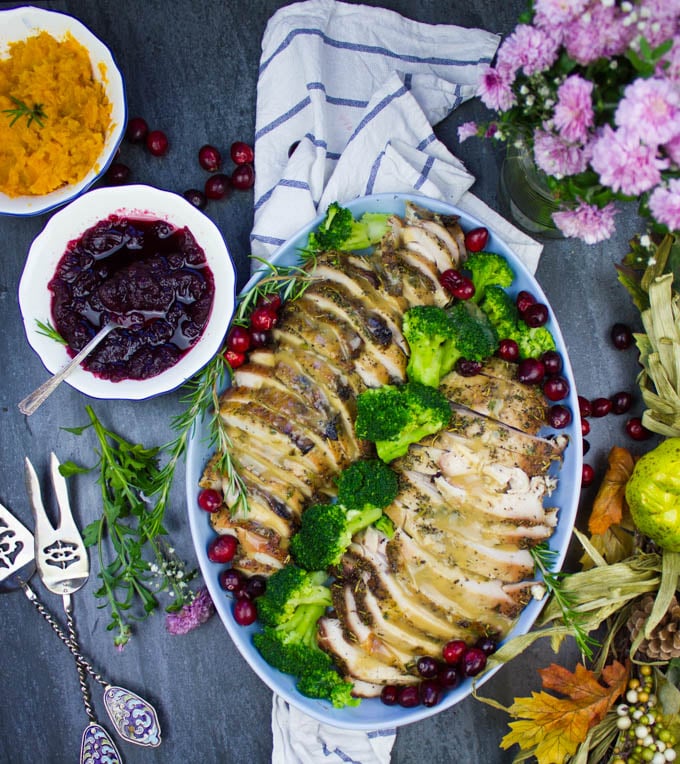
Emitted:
<point x="358" y="519"/>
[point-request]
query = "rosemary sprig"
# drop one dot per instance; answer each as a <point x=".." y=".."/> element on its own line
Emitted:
<point x="47" y="330"/>
<point x="21" y="109"/>
<point x="544" y="559"/>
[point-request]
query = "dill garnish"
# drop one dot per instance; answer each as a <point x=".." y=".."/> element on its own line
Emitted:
<point x="21" y="109"/>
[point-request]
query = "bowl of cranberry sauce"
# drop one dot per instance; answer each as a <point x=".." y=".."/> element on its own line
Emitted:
<point x="144" y="259"/>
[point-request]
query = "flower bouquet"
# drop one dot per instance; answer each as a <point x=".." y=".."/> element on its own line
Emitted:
<point x="591" y="88"/>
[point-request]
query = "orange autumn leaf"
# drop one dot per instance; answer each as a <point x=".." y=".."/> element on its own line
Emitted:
<point x="609" y="502"/>
<point x="553" y="727"/>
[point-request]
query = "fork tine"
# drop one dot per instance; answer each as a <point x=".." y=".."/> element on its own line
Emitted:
<point x="44" y="530"/>
<point x="67" y="525"/>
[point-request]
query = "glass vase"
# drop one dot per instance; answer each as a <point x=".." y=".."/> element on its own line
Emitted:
<point x="525" y="194"/>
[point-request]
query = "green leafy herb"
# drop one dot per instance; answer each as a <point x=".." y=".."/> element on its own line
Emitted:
<point x="544" y="559"/>
<point x="47" y="330"/>
<point x="34" y="114"/>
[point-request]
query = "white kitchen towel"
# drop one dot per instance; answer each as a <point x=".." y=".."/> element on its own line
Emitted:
<point x="357" y="90"/>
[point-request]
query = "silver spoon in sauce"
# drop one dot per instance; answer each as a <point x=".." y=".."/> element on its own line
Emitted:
<point x="31" y="402"/>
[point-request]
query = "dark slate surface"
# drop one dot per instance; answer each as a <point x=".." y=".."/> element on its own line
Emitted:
<point x="191" y="70"/>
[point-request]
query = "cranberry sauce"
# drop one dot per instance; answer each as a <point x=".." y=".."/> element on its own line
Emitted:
<point x="145" y="274"/>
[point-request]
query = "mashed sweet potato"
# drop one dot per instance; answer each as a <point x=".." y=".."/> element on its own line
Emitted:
<point x="56" y="76"/>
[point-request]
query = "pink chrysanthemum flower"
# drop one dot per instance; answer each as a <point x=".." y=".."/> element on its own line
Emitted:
<point x="664" y="204"/>
<point x="597" y="32"/>
<point x="528" y="48"/>
<point x="557" y="158"/>
<point x="586" y="222"/>
<point x="649" y="109"/>
<point x="555" y="13"/>
<point x="467" y="130"/>
<point x="191" y="616"/>
<point x="495" y="89"/>
<point x="669" y="66"/>
<point x="573" y="115"/>
<point x="657" y="19"/>
<point x="624" y="163"/>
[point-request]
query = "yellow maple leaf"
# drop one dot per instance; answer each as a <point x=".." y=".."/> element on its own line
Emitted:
<point x="609" y="504"/>
<point x="553" y="727"/>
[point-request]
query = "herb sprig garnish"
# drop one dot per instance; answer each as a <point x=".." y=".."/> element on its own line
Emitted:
<point x="544" y="559"/>
<point x="47" y="330"/>
<point x="21" y="109"/>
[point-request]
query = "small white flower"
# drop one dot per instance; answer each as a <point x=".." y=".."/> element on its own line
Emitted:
<point x="651" y="261"/>
<point x="626" y="6"/>
<point x="180" y="574"/>
<point x="645" y="12"/>
<point x="530" y="100"/>
<point x="613" y="64"/>
<point x="608" y="3"/>
<point x="524" y="90"/>
<point x="549" y="103"/>
<point x="544" y="91"/>
<point x="656" y="27"/>
<point x="645" y="241"/>
<point x="587" y="17"/>
<point x="641" y="25"/>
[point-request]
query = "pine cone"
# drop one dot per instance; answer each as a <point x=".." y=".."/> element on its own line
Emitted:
<point x="664" y="642"/>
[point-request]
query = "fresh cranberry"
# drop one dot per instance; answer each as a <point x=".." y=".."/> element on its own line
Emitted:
<point x="243" y="177"/>
<point x="587" y="475"/>
<point x="584" y="407"/>
<point x="241" y="153"/>
<point x="448" y="677"/>
<point x="271" y="301"/>
<point x="476" y="239"/>
<point x="157" y="143"/>
<point x="487" y="645"/>
<point x="222" y="548"/>
<point x="552" y="361"/>
<point x="234" y="359"/>
<point x="524" y="300"/>
<point x="473" y="661"/>
<point x="209" y="158"/>
<point x="209" y="500"/>
<point x="636" y="430"/>
<point x="389" y="694"/>
<point x="467" y="368"/>
<point x="450" y="279"/>
<point x="245" y="611"/>
<point x="409" y="696"/>
<point x="217" y="186"/>
<point x="536" y="315"/>
<point x="621" y="402"/>
<point x="600" y="407"/>
<point x="508" y="350"/>
<point x="430" y="693"/>
<point x="621" y="336"/>
<point x="136" y="130"/>
<point x="255" y="586"/>
<point x="259" y="339"/>
<point x="453" y="651"/>
<point x="117" y="174"/>
<point x="530" y="371"/>
<point x="231" y="580"/>
<point x="585" y="427"/>
<point x="238" y="339"/>
<point x="465" y="290"/>
<point x="427" y="666"/>
<point x="196" y="198"/>
<point x="586" y="446"/>
<point x="559" y="416"/>
<point x="556" y="388"/>
<point x="263" y="319"/>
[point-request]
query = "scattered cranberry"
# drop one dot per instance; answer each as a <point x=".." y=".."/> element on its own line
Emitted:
<point x="536" y="315"/>
<point x="234" y="359"/>
<point x="585" y="427"/>
<point x="473" y="661"/>
<point x="243" y="177"/>
<point x="270" y="301"/>
<point x="427" y="666"/>
<point x="586" y="447"/>
<point x="255" y="586"/>
<point x="487" y="645"/>
<point x="117" y="174"/>
<point x="622" y="336"/>
<point x="450" y="279"/>
<point x="559" y="416"/>
<point x="217" y="186"/>
<point x="531" y="371"/>
<point x="222" y="548"/>
<point x="238" y="339"/>
<point x="209" y="500"/>
<point x="584" y="406"/>
<point x="409" y="696"/>
<point x="157" y="143"/>
<point x="258" y="339"/>
<point x="552" y="361"/>
<point x="292" y="147"/>
<point x="137" y="130"/>
<point x="196" y="197"/>
<point x="524" y="301"/>
<point x="476" y="239"/>
<point x="448" y="677"/>
<point x="600" y="407"/>
<point x="508" y="350"/>
<point x="621" y="402"/>
<point x="587" y="475"/>
<point x="209" y="158"/>
<point x="245" y="612"/>
<point x="636" y="430"/>
<point x="231" y="580"/>
<point x="389" y="695"/>
<point x="467" y="368"/>
<point x="262" y="319"/>
<point x="556" y="388"/>
<point x="453" y="651"/>
<point x="464" y="290"/>
<point x="241" y="153"/>
<point x="430" y="693"/>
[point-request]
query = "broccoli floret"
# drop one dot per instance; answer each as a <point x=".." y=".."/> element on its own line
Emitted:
<point x="327" y="684"/>
<point x="287" y="590"/>
<point x="366" y="484"/>
<point x="393" y="416"/>
<point x="385" y="526"/>
<point x="488" y="269"/>
<point x="340" y="231"/>
<point x="533" y="341"/>
<point x="292" y="647"/>
<point x="437" y="338"/>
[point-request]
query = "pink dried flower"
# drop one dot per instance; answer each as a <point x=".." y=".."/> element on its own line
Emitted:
<point x="624" y="163"/>
<point x="192" y="615"/>
<point x="664" y="203"/>
<point x="555" y="13"/>
<point x="586" y="222"/>
<point x="495" y="89"/>
<point x="528" y="48"/>
<point x="467" y="130"/>
<point x="573" y="114"/>
<point x="556" y="157"/>
<point x="649" y="109"/>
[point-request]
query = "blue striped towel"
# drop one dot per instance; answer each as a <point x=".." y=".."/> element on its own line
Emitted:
<point x="358" y="89"/>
